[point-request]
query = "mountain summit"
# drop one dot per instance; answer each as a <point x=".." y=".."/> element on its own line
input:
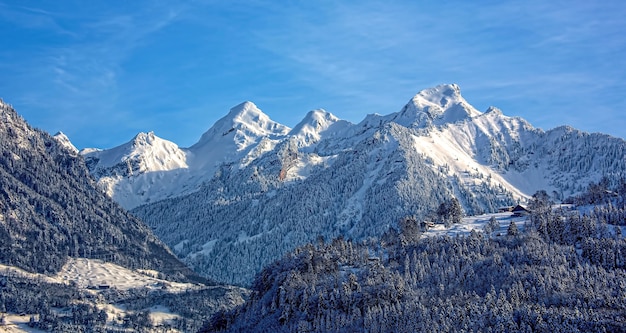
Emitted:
<point x="316" y="125"/>
<point x="254" y="189"/>
<point x="243" y="125"/>
<point x="435" y="106"/>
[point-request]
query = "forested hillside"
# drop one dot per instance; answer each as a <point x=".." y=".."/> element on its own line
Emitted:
<point x="51" y="208"/>
<point x="558" y="272"/>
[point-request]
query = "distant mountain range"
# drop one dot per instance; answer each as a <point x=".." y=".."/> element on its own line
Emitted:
<point x="252" y="189"/>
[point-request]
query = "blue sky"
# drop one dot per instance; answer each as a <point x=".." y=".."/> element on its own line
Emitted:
<point x="102" y="71"/>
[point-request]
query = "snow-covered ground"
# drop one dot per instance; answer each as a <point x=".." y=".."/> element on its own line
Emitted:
<point x="477" y="223"/>
<point x="17" y="323"/>
<point x="95" y="274"/>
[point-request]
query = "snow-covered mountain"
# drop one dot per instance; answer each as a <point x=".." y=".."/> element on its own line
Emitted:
<point x="69" y="254"/>
<point x="251" y="189"/>
<point x="51" y="209"/>
<point x="149" y="168"/>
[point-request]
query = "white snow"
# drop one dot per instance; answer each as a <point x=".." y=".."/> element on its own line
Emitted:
<point x="316" y="125"/>
<point x="477" y="223"/>
<point x="447" y="129"/>
<point x="160" y="314"/>
<point x="153" y="169"/>
<point x="18" y="323"/>
<point x="234" y="135"/>
<point x="93" y="274"/>
<point x="440" y="105"/>
<point x="65" y="142"/>
<point x="458" y="151"/>
<point x="354" y="206"/>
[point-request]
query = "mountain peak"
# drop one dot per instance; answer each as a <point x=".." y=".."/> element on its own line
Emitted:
<point x="144" y="139"/>
<point x="439" y="105"/>
<point x="316" y="122"/>
<point x="494" y="110"/>
<point x="246" y="113"/>
<point x="65" y="142"/>
<point x="243" y="120"/>
<point x="244" y="106"/>
<point x="451" y="90"/>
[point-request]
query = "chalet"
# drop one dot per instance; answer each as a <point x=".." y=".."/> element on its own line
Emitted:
<point x="520" y="211"/>
<point x="505" y="209"/>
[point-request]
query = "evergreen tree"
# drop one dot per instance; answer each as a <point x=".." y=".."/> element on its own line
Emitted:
<point x="512" y="229"/>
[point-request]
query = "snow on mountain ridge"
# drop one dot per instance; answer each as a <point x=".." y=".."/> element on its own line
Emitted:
<point x="233" y="136"/>
<point x="152" y="152"/>
<point x="128" y="172"/>
<point x="65" y="142"/>
<point x="440" y="105"/>
<point x="149" y="168"/>
<point x="327" y="177"/>
<point x="246" y="122"/>
<point x="447" y="129"/>
<point x="317" y="124"/>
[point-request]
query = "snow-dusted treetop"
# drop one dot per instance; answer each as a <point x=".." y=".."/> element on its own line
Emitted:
<point x="65" y="142"/>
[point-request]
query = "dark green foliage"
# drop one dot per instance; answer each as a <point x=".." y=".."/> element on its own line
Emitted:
<point x="512" y="229"/>
<point x="410" y="229"/>
<point x="449" y="212"/>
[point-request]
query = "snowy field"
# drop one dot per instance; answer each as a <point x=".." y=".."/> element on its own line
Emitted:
<point x="95" y="276"/>
<point x="477" y="223"/>
<point x="17" y="323"/>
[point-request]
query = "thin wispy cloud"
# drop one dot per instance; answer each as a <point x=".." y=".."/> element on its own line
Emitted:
<point x="116" y="69"/>
<point x="77" y="78"/>
<point x="378" y="51"/>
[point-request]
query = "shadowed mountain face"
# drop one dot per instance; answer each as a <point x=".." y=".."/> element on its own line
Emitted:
<point x="51" y="208"/>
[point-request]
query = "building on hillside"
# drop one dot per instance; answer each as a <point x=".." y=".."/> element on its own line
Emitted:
<point x="505" y="209"/>
<point x="520" y="211"/>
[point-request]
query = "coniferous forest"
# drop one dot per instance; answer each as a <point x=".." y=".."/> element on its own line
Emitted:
<point x="559" y="271"/>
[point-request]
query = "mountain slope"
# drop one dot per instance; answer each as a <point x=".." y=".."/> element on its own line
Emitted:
<point x="327" y="177"/>
<point x="482" y="281"/>
<point x="50" y="208"/>
<point x="149" y="168"/>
